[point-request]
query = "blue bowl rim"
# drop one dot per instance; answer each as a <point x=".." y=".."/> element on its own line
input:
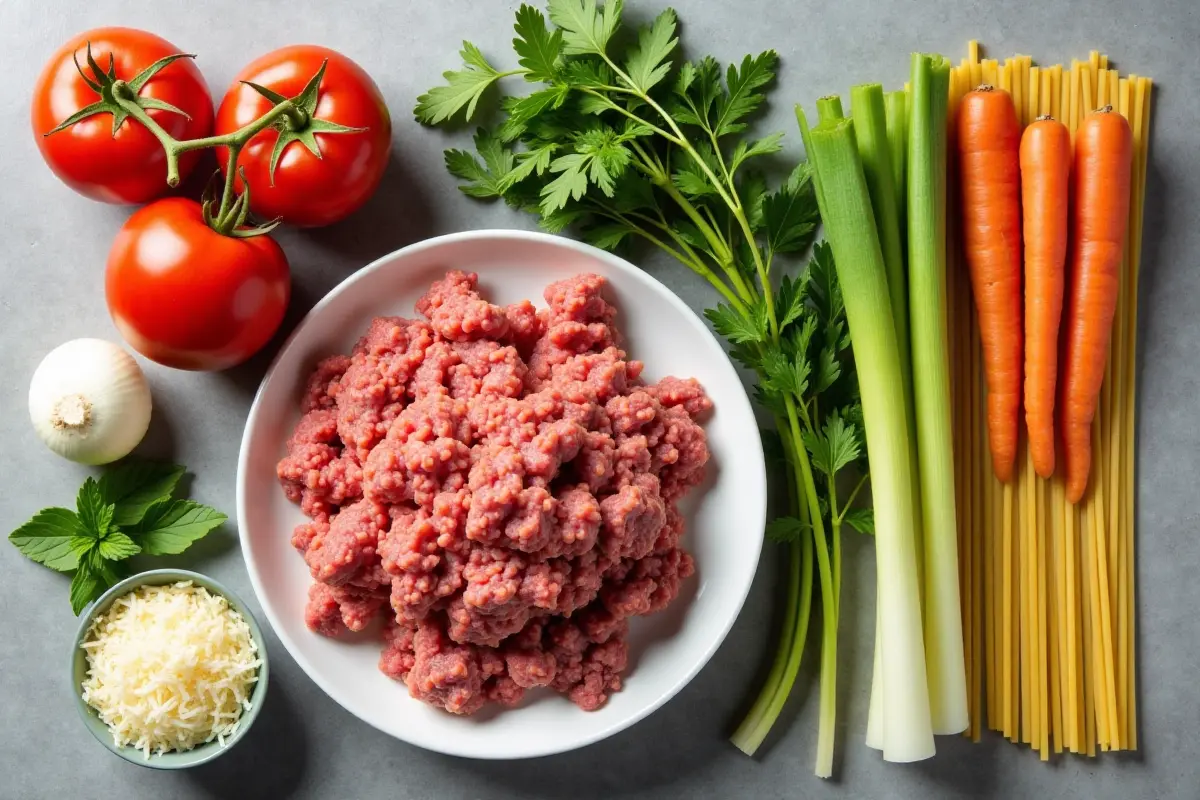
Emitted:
<point x="160" y="577"/>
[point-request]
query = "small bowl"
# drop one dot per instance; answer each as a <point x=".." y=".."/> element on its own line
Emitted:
<point x="171" y="760"/>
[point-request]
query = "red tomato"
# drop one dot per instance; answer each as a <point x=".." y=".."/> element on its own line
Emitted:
<point x="188" y="297"/>
<point x="307" y="190"/>
<point x="130" y="167"/>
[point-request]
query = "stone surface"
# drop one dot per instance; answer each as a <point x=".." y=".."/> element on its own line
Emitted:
<point x="304" y="745"/>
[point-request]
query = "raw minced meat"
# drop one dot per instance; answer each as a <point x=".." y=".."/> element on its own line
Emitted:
<point x="500" y="484"/>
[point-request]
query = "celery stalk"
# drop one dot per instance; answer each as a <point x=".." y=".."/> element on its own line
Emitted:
<point x="829" y="108"/>
<point x="930" y="84"/>
<point x="850" y="229"/>
<point x="896" y="110"/>
<point x="870" y="128"/>
<point x="875" y="149"/>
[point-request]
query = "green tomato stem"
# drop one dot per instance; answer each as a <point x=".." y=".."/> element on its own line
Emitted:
<point x="174" y="148"/>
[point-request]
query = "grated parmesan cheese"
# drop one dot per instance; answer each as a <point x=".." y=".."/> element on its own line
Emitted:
<point x="169" y="668"/>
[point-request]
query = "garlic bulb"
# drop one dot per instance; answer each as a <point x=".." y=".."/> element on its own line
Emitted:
<point x="89" y="401"/>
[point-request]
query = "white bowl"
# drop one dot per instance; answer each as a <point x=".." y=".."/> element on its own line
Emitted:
<point x="725" y="516"/>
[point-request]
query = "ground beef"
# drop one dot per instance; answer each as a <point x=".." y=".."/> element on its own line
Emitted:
<point x="500" y="484"/>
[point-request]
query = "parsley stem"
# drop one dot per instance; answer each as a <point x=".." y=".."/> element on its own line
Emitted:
<point x="611" y="105"/>
<point x="693" y="263"/>
<point x="782" y="677"/>
<point x="862" y="481"/>
<point x="829" y="603"/>
<point x="720" y="249"/>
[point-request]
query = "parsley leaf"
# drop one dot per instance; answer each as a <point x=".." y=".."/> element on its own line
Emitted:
<point x="170" y="526"/>
<point x="487" y="179"/>
<point x="648" y="63"/>
<point x="523" y="109"/>
<point x="759" y="147"/>
<point x="829" y="368"/>
<point x="861" y="519"/>
<point x="529" y="162"/>
<point x="742" y="97"/>
<point x="48" y="538"/>
<point x="696" y="89"/>
<point x="538" y="49"/>
<point x="789" y="302"/>
<point x="835" y="448"/>
<point x="692" y="181"/>
<point x="586" y="29"/>
<point x="790" y="215"/>
<point x="462" y="90"/>
<point x="785" y="530"/>
<point x="571" y="183"/>
<point x="133" y="485"/>
<point x="731" y="324"/>
<point x="606" y="236"/>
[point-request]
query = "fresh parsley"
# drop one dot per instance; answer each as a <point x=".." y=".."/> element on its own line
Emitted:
<point x="620" y="140"/>
<point x="128" y="511"/>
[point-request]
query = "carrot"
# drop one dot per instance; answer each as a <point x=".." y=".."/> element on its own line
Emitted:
<point x="1045" y="183"/>
<point x="1103" y="159"/>
<point x="989" y="164"/>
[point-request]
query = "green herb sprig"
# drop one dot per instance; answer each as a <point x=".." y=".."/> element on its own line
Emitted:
<point x="620" y="141"/>
<point x="128" y="511"/>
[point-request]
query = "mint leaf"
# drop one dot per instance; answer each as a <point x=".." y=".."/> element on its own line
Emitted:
<point x="47" y="538"/>
<point x="538" y="48"/>
<point x="170" y="526"/>
<point x="82" y="545"/>
<point x="785" y="529"/>
<point x="743" y="97"/>
<point x="86" y="586"/>
<point x="648" y="63"/>
<point x="586" y="29"/>
<point x="462" y="90"/>
<point x="862" y="520"/>
<point x="95" y="515"/>
<point x="134" y="485"/>
<point x="117" y="546"/>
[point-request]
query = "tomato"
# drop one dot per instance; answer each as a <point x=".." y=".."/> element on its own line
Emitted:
<point x="309" y="190"/>
<point x="130" y="167"/>
<point x="188" y="297"/>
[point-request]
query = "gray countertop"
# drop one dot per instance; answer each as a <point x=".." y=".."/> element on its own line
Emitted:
<point x="51" y="290"/>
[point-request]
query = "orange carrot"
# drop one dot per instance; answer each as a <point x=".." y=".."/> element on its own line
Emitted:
<point x="1045" y="183"/>
<point x="989" y="162"/>
<point x="1103" y="159"/>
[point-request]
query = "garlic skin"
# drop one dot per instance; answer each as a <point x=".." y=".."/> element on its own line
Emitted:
<point x="89" y="401"/>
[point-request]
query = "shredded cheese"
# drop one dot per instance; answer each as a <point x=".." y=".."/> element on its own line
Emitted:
<point x="169" y="668"/>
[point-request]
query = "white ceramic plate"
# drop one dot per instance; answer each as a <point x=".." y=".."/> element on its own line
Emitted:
<point x="725" y="515"/>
